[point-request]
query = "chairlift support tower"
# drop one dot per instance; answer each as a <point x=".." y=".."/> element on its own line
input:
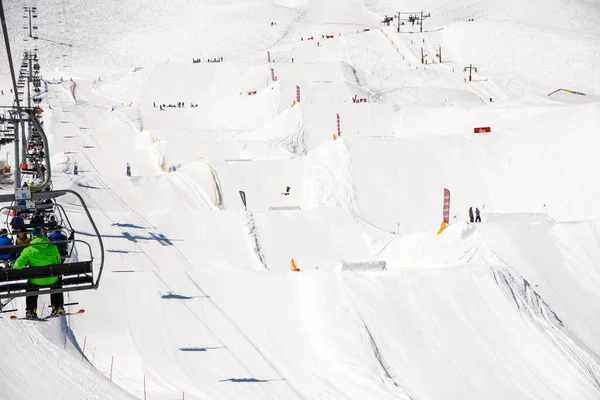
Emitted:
<point x="470" y="68"/>
<point x="412" y="16"/>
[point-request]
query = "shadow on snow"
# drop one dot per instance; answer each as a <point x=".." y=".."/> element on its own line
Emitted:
<point x="175" y="296"/>
<point x="249" y="380"/>
<point x="199" y="348"/>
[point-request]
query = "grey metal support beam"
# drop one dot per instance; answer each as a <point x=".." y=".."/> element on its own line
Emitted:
<point x="17" y="168"/>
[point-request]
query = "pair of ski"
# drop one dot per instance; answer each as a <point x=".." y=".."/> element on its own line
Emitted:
<point x="47" y="317"/>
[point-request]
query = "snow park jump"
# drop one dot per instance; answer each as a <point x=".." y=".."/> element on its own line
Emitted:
<point x="276" y="233"/>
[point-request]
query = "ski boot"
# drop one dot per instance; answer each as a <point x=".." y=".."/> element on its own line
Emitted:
<point x="31" y="314"/>
<point x="57" y="311"/>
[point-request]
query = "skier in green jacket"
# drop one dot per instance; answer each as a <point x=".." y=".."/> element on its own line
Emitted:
<point x="41" y="253"/>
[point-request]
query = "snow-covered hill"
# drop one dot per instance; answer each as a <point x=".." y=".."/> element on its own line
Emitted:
<point x="198" y="298"/>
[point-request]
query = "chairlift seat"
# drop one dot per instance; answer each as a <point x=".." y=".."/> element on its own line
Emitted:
<point x="75" y="276"/>
<point x="20" y="286"/>
<point x="72" y="274"/>
<point x="29" y="227"/>
<point x="76" y="268"/>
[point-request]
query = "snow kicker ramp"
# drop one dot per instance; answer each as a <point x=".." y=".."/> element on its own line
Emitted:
<point x="552" y="279"/>
<point x="559" y="261"/>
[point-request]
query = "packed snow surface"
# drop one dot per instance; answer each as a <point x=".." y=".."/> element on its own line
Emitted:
<point x="199" y="299"/>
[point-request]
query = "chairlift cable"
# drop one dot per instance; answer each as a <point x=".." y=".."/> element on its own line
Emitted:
<point x="9" y="56"/>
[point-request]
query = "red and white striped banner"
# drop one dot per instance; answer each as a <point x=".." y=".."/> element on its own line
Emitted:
<point x="338" y="125"/>
<point x="269" y="56"/>
<point x="297" y="94"/>
<point x="272" y="75"/>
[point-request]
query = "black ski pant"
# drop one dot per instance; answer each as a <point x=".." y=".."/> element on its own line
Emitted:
<point x="56" y="299"/>
<point x="478" y="219"/>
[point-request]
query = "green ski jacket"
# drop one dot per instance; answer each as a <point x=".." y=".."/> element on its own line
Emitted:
<point x="39" y="255"/>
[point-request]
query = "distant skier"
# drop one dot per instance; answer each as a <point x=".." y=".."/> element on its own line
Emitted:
<point x="471" y="219"/>
<point x="128" y="169"/>
<point x="287" y="191"/>
<point x="477" y="215"/>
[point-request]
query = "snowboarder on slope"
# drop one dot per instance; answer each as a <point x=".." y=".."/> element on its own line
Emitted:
<point x="287" y="191"/>
<point x="477" y="215"/>
<point x="471" y="219"/>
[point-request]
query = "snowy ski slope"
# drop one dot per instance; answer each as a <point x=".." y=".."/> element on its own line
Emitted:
<point x="198" y="298"/>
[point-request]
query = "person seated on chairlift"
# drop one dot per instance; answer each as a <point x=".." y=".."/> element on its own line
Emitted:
<point x="23" y="238"/>
<point x="41" y="253"/>
<point x="50" y="205"/>
<point x="57" y="236"/>
<point x="52" y="224"/>
<point x="37" y="219"/>
<point x="5" y="241"/>
<point x="17" y="220"/>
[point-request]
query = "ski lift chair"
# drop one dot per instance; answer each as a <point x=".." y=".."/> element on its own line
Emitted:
<point x="75" y="275"/>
